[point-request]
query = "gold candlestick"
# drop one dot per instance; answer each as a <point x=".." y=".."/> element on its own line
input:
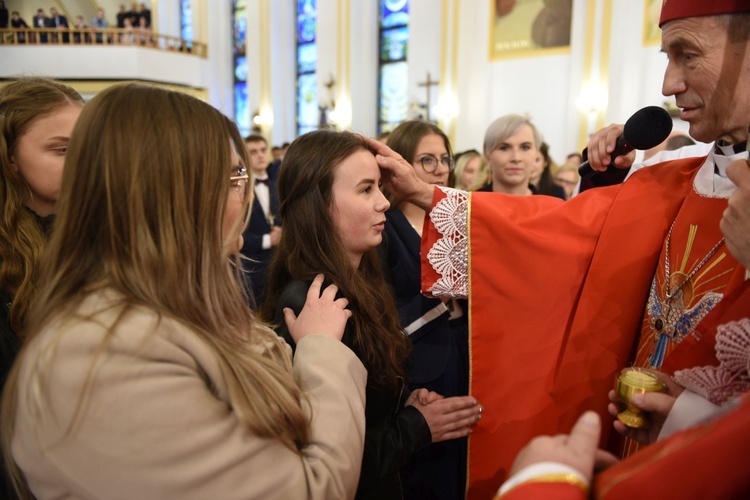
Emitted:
<point x="635" y="381"/>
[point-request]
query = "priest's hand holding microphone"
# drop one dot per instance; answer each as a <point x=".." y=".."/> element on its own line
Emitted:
<point x="615" y="146"/>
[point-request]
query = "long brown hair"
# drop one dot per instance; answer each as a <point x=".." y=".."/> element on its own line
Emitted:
<point x="22" y="238"/>
<point x="310" y="245"/>
<point x="141" y="213"/>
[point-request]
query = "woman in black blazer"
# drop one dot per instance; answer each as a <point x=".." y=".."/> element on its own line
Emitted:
<point x="437" y="330"/>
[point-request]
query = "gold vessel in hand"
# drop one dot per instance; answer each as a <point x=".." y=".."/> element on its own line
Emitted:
<point x="635" y="381"/>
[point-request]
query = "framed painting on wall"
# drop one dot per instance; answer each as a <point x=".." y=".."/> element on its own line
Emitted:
<point x="520" y="28"/>
<point x="651" y="30"/>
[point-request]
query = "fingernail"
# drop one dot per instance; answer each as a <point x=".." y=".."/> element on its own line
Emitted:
<point x="637" y="399"/>
<point x="590" y="418"/>
<point x="479" y="416"/>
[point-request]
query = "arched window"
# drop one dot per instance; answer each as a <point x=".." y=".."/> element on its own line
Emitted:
<point x="186" y="24"/>
<point x="307" y="65"/>
<point x="393" y="84"/>
<point x="241" y="111"/>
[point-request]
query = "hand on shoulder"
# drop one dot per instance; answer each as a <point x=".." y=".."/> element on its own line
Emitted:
<point x="322" y="314"/>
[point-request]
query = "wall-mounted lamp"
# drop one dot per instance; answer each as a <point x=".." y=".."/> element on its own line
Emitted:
<point x="341" y="115"/>
<point x="263" y="119"/>
<point x="593" y="99"/>
<point x="446" y="109"/>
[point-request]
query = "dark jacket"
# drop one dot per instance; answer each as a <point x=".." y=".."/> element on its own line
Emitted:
<point x="431" y="343"/>
<point x="259" y="225"/>
<point x="393" y="432"/>
<point x="438" y="360"/>
<point x="10" y="344"/>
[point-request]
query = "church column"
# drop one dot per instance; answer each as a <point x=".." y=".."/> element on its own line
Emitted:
<point x="363" y="65"/>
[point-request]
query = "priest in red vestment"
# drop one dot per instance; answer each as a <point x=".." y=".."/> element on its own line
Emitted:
<point x="710" y="456"/>
<point x="565" y="294"/>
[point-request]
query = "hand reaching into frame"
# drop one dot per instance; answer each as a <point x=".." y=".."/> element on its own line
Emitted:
<point x="322" y="314"/>
<point x="577" y="449"/>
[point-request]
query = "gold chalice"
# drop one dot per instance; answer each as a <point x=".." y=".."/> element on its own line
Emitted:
<point x="635" y="381"/>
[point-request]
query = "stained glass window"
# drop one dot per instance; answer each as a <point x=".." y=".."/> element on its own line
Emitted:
<point x="308" y="113"/>
<point x="393" y="97"/>
<point x="186" y="23"/>
<point x="241" y="110"/>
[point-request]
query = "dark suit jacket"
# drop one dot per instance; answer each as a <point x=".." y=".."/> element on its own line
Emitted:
<point x="487" y="188"/>
<point x="59" y="22"/>
<point x="431" y="344"/>
<point x="41" y="22"/>
<point x="257" y="267"/>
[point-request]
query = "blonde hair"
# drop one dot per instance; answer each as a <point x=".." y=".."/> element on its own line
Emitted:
<point x="141" y="213"/>
<point x="483" y="171"/>
<point x="565" y="167"/>
<point x="22" y="239"/>
<point x="503" y="128"/>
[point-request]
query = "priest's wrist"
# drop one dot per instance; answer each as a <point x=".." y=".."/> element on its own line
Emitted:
<point x="545" y="472"/>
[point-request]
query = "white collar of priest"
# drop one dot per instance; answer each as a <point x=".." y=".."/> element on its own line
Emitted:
<point x="711" y="180"/>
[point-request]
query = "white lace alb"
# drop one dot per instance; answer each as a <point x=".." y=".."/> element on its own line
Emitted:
<point x="721" y="383"/>
<point x="449" y="256"/>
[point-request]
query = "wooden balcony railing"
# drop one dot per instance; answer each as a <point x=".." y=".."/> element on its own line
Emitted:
<point x="94" y="36"/>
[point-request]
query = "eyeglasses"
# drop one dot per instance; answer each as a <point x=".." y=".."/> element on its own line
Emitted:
<point x="240" y="182"/>
<point x="430" y="163"/>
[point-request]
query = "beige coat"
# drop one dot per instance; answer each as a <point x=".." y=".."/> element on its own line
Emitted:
<point x="156" y="423"/>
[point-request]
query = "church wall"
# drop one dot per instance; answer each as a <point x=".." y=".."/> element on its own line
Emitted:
<point x="546" y="87"/>
<point x="449" y="39"/>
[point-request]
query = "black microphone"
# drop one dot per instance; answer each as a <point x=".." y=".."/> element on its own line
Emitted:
<point x="647" y="128"/>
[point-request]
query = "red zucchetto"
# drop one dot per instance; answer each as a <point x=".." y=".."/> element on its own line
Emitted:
<point x="679" y="9"/>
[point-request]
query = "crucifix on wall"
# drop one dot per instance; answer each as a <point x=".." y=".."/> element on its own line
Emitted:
<point x="428" y="84"/>
<point x="325" y="107"/>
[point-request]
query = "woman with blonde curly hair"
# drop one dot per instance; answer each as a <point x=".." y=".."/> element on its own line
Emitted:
<point x="472" y="171"/>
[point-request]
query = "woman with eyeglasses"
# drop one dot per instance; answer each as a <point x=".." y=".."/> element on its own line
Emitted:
<point x="145" y="374"/>
<point x="437" y="330"/>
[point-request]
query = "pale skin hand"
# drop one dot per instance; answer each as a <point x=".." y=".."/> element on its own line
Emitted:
<point x="577" y="449"/>
<point x="449" y="418"/>
<point x="398" y="176"/>
<point x="656" y="404"/>
<point x="275" y="235"/>
<point x="602" y="143"/>
<point x="321" y="315"/>
<point x="735" y="223"/>
<point x="423" y="396"/>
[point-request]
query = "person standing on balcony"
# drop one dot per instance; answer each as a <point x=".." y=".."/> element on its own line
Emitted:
<point x="99" y="22"/>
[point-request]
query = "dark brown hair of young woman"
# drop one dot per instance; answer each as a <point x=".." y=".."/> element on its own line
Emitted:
<point x="310" y="245"/>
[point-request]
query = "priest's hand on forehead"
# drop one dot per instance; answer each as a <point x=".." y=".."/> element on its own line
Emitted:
<point x="398" y="176"/>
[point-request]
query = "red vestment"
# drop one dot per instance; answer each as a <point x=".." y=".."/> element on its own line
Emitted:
<point x="704" y="462"/>
<point x="557" y="295"/>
